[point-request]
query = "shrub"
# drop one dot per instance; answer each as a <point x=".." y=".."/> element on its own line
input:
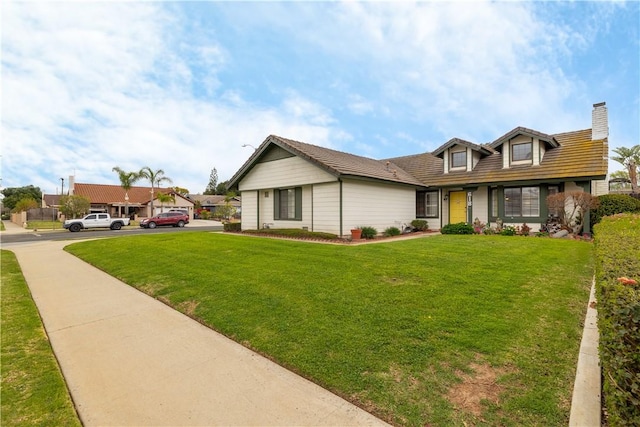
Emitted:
<point x="459" y="228"/>
<point x="617" y="246"/>
<point x="508" y="230"/>
<point x="204" y="214"/>
<point x="392" y="231"/>
<point x="611" y="204"/>
<point x="232" y="226"/>
<point x="293" y="232"/>
<point x="420" y="224"/>
<point x="368" y="232"/>
<point x="525" y="229"/>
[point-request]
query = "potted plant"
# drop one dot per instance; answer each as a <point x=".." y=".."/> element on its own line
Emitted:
<point x="356" y="233"/>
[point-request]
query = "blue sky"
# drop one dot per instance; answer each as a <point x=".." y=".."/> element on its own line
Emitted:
<point x="182" y="86"/>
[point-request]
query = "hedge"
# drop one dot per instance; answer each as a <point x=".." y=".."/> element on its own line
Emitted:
<point x="611" y="204"/>
<point x="459" y="228"/>
<point x="617" y="241"/>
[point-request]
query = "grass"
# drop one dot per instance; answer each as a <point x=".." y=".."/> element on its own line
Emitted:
<point x="403" y="329"/>
<point x="33" y="389"/>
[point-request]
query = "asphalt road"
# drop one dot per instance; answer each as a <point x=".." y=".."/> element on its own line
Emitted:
<point x="53" y="235"/>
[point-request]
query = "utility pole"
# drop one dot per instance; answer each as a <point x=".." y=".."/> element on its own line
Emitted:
<point x="62" y="187"/>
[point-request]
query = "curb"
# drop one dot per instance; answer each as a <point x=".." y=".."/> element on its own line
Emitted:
<point x="586" y="402"/>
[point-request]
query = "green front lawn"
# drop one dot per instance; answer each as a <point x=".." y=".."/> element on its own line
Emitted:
<point x="413" y="331"/>
<point x="33" y="390"/>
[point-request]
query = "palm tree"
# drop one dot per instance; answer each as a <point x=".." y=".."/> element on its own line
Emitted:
<point x="629" y="158"/>
<point x="164" y="198"/>
<point x="155" y="178"/>
<point x="127" y="179"/>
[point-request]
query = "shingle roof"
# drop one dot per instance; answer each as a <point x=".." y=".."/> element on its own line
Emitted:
<point x="113" y="194"/>
<point x="457" y="141"/>
<point x="549" y="139"/>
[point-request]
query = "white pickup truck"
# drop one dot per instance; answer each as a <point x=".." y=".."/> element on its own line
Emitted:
<point x="96" y="220"/>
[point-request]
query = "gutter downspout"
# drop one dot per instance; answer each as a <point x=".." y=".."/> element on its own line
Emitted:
<point x="341" y="231"/>
<point x="258" y="209"/>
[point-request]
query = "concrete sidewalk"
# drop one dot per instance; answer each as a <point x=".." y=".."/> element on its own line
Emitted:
<point x="131" y="360"/>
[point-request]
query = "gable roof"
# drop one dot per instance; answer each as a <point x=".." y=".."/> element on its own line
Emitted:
<point x="337" y="163"/>
<point x="114" y="194"/>
<point x="549" y="139"/>
<point x="576" y="156"/>
<point x="438" y="152"/>
<point x="213" y="199"/>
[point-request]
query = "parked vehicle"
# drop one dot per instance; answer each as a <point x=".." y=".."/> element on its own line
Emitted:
<point x="95" y="220"/>
<point x="176" y="219"/>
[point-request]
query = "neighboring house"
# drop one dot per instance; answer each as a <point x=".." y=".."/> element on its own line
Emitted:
<point x="113" y="199"/>
<point x="290" y="184"/>
<point x="211" y="202"/>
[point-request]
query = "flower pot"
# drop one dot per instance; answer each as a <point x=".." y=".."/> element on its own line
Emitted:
<point x="356" y="234"/>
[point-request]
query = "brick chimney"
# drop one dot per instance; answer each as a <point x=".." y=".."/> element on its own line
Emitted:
<point x="599" y="121"/>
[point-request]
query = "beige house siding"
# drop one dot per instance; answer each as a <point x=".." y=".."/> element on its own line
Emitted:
<point x="284" y="173"/>
<point x="377" y="205"/>
<point x="249" y="219"/>
<point x="326" y="208"/>
<point x="480" y="207"/>
<point x="600" y="187"/>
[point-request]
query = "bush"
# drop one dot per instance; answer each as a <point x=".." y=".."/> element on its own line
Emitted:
<point x="420" y="224"/>
<point x="525" y="230"/>
<point x="232" y="226"/>
<point x="298" y="233"/>
<point x="392" y="231"/>
<point x="611" y="204"/>
<point x="617" y="244"/>
<point x="508" y="230"/>
<point x="368" y="232"/>
<point x="459" y="228"/>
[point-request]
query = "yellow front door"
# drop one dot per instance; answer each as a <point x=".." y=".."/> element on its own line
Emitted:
<point x="457" y="207"/>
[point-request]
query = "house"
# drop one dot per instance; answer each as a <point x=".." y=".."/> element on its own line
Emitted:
<point x="290" y="184"/>
<point x="115" y="201"/>
<point x="212" y="202"/>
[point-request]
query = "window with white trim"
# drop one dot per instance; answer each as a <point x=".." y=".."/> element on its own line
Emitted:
<point x="522" y="152"/>
<point x="459" y="159"/>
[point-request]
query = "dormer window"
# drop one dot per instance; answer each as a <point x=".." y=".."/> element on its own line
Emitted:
<point x="522" y="152"/>
<point x="459" y="159"/>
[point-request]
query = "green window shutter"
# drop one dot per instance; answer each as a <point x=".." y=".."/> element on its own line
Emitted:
<point x="298" y="203"/>
<point x="276" y="204"/>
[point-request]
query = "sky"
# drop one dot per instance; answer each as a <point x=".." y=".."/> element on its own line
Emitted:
<point x="187" y="87"/>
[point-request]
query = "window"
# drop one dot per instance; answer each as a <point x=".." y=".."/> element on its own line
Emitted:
<point x="494" y="202"/>
<point x="521" y="152"/>
<point x="427" y="204"/>
<point x="522" y="201"/>
<point x="459" y="159"/>
<point x="288" y="203"/>
<point x="553" y="190"/>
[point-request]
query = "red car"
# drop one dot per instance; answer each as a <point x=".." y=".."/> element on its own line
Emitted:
<point x="176" y="219"/>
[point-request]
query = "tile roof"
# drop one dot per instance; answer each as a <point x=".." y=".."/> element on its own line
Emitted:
<point x="576" y="156"/>
<point x="335" y="162"/>
<point x="114" y="194"/>
<point x="569" y="155"/>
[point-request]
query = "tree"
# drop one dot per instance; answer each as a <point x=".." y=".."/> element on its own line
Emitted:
<point x="74" y="206"/>
<point x="181" y="191"/>
<point x="221" y="189"/>
<point x="227" y="210"/>
<point x="571" y="207"/>
<point x="25" y="204"/>
<point x="127" y="179"/>
<point x="629" y="158"/>
<point x="155" y="178"/>
<point x="213" y="183"/>
<point x="165" y="198"/>
<point x="13" y="195"/>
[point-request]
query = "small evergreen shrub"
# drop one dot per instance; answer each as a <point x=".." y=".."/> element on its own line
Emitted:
<point x="617" y="247"/>
<point x="508" y="230"/>
<point x="525" y="230"/>
<point x="368" y="232"/>
<point x="232" y="226"/>
<point x="459" y="228"/>
<point x="391" y="231"/>
<point x="611" y="204"/>
<point x="420" y="224"/>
